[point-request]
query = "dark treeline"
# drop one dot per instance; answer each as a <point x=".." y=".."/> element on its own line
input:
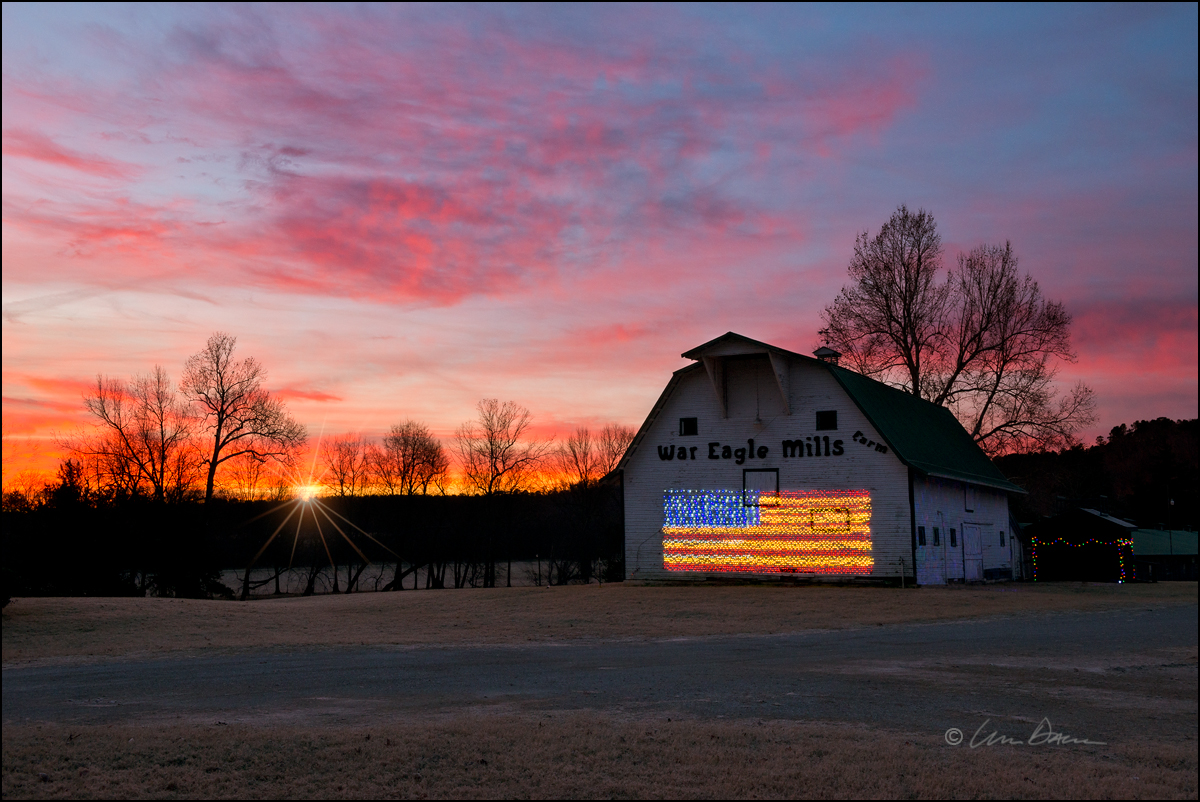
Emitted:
<point x="162" y="497"/>
<point x="1134" y="473"/>
<point x="67" y="541"/>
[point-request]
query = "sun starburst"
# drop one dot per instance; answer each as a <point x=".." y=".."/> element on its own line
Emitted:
<point x="307" y="501"/>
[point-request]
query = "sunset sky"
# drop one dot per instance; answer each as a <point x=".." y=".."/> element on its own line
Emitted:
<point x="401" y="209"/>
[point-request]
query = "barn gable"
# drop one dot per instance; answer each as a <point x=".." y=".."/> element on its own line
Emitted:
<point x="925" y="436"/>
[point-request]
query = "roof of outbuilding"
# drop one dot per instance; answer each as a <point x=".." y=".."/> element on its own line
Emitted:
<point x="1109" y="518"/>
<point x="924" y="435"/>
<point x="1079" y="525"/>
<point x="1154" y="542"/>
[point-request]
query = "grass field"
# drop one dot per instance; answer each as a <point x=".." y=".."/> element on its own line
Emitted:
<point x="39" y="630"/>
<point x="502" y="752"/>
<point x="571" y="755"/>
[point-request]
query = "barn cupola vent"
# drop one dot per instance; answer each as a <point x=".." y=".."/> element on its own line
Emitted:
<point x="827" y="354"/>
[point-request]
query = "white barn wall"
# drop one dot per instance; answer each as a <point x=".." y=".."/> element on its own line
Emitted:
<point x="756" y="411"/>
<point x="942" y="503"/>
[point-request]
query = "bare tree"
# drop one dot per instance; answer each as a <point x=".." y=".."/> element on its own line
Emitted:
<point x="413" y="458"/>
<point x="145" y="438"/>
<point x="495" y="457"/>
<point x="614" y="442"/>
<point x="581" y="462"/>
<point x="347" y="461"/>
<point x="247" y="476"/>
<point x="240" y="415"/>
<point x="983" y="342"/>
<point x="1000" y="357"/>
<point x="888" y="323"/>
<point x="584" y="459"/>
<point x="578" y="460"/>
<point x="410" y="461"/>
<point x="383" y="470"/>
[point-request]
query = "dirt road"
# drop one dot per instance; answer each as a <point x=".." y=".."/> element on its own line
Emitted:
<point x="1104" y="676"/>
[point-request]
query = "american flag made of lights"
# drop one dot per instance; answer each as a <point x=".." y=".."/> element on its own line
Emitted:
<point x="760" y="532"/>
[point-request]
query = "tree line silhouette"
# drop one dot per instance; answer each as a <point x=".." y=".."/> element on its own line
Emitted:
<point x="1147" y="473"/>
<point x="176" y="483"/>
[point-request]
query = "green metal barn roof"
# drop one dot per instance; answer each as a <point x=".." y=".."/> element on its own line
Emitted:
<point x="924" y="435"/>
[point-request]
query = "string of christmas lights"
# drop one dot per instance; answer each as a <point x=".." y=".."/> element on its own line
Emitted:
<point x="798" y="531"/>
<point x="1121" y="543"/>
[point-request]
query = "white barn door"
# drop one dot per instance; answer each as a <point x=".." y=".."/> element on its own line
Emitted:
<point x="972" y="554"/>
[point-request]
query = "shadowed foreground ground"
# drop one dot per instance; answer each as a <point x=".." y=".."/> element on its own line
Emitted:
<point x="573" y="755"/>
<point x="844" y="707"/>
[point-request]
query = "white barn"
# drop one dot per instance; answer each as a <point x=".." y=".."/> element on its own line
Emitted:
<point x="757" y="461"/>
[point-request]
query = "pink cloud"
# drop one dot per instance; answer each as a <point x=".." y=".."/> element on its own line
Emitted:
<point x="26" y="144"/>
<point x="1152" y="335"/>
<point x="289" y="393"/>
<point x="420" y="173"/>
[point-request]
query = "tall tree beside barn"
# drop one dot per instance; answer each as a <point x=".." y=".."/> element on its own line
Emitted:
<point x="577" y="461"/>
<point x="581" y="462"/>
<point x="584" y="458"/>
<point x="982" y="340"/>
<point x="239" y="416"/>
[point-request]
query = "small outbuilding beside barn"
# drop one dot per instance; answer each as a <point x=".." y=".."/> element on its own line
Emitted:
<point x="1082" y="545"/>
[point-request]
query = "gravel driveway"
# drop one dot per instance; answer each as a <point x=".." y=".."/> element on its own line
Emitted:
<point x="1104" y="676"/>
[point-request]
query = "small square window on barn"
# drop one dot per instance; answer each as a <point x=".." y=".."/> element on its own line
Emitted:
<point x="1002" y="538"/>
<point x="827" y="419"/>
<point x="937" y="537"/>
<point x="688" y="426"/>
<point x="920" y="536"/>
<point x="969" y="498"/>
<point x="953" y="539"/>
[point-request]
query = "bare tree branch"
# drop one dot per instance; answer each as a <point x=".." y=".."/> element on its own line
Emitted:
<point x="494" y="456"/>
<point x="578" y="460"/>
<point x="239" y="414"/>
<point x="145" y="438"/>
<point x="984" y="342"/>
<point x="347" y="462"/>
<point x="411" y="461"/>
<point x="614" y="442"/>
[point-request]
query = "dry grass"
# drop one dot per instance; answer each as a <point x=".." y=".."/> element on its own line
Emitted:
<point x="55" y="629"/>
<point x="571" y="755"/>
